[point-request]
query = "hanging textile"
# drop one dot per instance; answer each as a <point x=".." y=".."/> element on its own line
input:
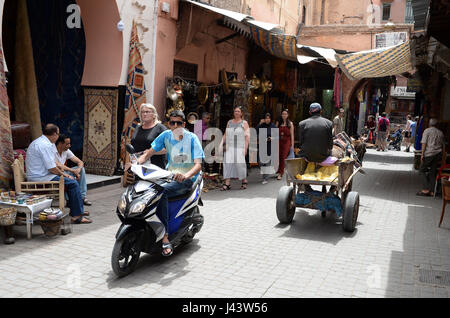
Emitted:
<point x="135" y="92"/>
<point x="26" y="100"/>
<point x="59" y="54"/>
<point x="376" y="63"/>
<point x="6" y="146"/>
<point x="337" y="88"/>
<point x="280" y="45"/>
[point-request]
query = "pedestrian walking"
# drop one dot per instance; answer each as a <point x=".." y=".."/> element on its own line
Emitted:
<point x="286" y="128"/>
<point x="433" y="150"/>
<point x="236" y="141"/>
<point x="382" y="133"/>
<point x="408" y="132"/>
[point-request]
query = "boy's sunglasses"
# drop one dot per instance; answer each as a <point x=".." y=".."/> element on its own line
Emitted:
<point x="174" y="122"/>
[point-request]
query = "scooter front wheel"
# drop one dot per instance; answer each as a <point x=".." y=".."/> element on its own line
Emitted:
<point x="125" y="255"/>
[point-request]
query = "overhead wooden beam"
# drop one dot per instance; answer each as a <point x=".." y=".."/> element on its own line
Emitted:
<point x="228" y="37"/>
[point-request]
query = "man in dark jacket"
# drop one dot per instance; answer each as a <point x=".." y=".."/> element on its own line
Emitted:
<point x="316" y="135"/>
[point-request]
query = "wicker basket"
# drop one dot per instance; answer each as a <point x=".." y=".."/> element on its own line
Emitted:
<point x="8" y="216"/>
<point x="51" y="228"/>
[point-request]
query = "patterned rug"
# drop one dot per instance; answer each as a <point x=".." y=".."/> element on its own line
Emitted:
<point x="100" y="131"/>
<point x="6" y="147"/>
<point x="135" y="92"/>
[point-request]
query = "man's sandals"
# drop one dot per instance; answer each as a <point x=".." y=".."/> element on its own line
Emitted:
<point x="81" y="220"/>
<point x="166" y="246"/>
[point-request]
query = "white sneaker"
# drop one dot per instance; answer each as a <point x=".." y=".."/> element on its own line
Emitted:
<point x="265" y="182"/>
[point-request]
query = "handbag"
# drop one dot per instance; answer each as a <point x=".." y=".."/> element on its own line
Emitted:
<point x="291" y="154"/>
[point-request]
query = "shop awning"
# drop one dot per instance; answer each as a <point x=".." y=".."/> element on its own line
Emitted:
<point x="326" y="53"/>
<point x="382" y="62"/>
<point x="280" y="45"/>
<point x="274" y="28"/>
<point x="303" y="59"/>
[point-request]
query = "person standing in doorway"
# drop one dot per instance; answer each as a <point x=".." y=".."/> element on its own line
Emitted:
<point x="266" y="167"/>
<point x="286" y="128"/>
<point x="433" y="149"/>
<point x="338" y="122"/>
<point x="236" y="140"/>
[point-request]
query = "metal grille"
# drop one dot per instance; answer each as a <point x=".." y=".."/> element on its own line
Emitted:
<point x="434" y="277"/>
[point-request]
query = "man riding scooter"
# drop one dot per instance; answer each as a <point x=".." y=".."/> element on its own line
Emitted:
<point x="185" y="155"/>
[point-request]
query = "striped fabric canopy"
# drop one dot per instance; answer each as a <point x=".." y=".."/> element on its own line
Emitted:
<point x="377" y="63"/>
<point x="279" y="45"/>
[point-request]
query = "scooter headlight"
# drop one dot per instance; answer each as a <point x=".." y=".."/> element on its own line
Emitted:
<point x="122" y="204"/>
<point x="138" y="207"/>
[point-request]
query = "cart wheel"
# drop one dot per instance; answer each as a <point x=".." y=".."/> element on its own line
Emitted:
<point x="323" y="214"/>
<point x="285" y="205"/>
<point x="351" y="209"/>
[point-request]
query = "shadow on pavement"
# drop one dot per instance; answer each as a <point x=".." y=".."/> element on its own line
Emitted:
<point x="148" y="270"/>
<point x="311" y="226"/>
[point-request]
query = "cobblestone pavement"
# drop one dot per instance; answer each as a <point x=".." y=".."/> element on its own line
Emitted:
<point x="242" y="250"/>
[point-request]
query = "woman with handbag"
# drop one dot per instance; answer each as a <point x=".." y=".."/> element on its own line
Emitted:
<point x="236" y="139"/>
<point x="286" y="128"/>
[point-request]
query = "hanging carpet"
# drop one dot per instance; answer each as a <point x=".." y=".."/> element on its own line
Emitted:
<point x="100" y="131"/>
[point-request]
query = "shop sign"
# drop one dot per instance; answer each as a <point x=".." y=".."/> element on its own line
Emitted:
<point x="401" y="91"/>
<point x="389" y="39"/>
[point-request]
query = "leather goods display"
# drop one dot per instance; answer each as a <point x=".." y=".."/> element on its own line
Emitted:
<point x="21" y="135"/>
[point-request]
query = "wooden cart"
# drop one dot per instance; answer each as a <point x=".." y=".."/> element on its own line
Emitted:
<point x="340" y="187"/>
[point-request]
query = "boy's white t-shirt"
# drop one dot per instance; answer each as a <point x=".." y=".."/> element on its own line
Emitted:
<point x="64" y="156"/>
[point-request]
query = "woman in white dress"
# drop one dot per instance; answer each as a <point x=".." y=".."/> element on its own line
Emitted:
<point x="236" y="139"/>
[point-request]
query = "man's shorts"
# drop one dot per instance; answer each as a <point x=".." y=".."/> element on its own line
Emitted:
<point x="382" y="136"/>
<point x="407" y="134"/>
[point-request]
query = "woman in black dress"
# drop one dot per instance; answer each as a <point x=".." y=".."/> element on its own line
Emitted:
<point x="147" y="131"/>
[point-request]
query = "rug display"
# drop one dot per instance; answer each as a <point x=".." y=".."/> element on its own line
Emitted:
<point x="135" y="92"/>
<point x="6" y="146"/>
<point x="100" y="127"/>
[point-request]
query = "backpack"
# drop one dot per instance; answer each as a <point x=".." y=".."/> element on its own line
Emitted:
<point x="383" y="126"/>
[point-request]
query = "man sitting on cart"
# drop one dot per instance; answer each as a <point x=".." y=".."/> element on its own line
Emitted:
<point x="316" y="136"/>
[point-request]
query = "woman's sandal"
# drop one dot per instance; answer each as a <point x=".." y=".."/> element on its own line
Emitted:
<point x="81" y="220"/>
<point x="423" y="194"/>
<point x="244" y="185"/>
<point x="225" y="187"/>
<point x="279" y="177"/>
<point x="166" y="246"/>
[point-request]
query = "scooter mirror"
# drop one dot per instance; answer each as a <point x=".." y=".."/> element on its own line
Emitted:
<point x="130" y="149"/>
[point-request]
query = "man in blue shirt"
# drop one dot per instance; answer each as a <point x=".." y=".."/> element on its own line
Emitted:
<point x="41" y="166"/>
<point x="185" y="156"/>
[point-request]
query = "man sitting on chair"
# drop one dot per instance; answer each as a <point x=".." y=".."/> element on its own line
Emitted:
<point x="62" y="155"/>
<point x="41" y="166"/>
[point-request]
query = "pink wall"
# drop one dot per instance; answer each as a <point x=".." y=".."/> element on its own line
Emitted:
<point x="397" y="9"/>
<point x="104" y="43"/>
<point x="166" y="40"/>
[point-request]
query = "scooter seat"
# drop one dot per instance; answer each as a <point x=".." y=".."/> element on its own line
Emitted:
<point x="189" y="193"/>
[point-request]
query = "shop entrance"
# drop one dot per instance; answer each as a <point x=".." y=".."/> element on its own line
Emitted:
<point x="45" y="58"/>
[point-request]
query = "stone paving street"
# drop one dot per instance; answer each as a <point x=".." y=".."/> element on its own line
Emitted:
<point x="242" y="250"/>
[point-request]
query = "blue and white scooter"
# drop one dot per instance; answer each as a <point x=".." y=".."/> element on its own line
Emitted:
<point x="141" y="229"/>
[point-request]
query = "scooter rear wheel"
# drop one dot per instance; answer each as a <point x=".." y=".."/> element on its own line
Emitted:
<point x="125" y="255"/>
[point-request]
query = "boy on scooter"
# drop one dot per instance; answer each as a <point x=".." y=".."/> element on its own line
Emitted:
<point x="185" y="156"/>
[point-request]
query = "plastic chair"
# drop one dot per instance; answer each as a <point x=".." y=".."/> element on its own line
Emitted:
<point x="445" y="197"/>
<point x="441" y="174"/>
